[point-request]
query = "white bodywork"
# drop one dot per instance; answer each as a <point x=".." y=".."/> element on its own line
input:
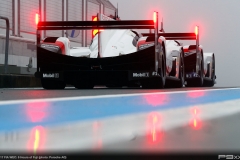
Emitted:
<point x="116" y="43"/>
<point x="173" y="51"/>
<point x="113" y="43"/>
<point x="208" y="57"/>
<point x="66" y="43"/>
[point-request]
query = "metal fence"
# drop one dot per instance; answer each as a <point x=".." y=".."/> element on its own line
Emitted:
<point x="52" y="10"/>
<point x="6" y="10"/>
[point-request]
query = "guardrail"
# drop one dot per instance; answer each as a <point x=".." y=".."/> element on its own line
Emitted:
<point x="6" y="44"/>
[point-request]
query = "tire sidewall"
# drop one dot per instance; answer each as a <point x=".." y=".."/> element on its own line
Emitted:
<point x="163" y="67"/>
<point x="182" y="70"/>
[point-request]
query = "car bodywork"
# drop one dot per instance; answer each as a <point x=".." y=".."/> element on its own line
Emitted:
<point x="179" y="64"/>
<point x="58" y="69"/>
<point x="199" y="67"/>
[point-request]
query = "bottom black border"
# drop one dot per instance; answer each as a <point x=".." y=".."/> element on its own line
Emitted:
<point x="118" y="156"/>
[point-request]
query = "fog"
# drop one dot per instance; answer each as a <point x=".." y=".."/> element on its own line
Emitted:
<point x="218" y="21"/>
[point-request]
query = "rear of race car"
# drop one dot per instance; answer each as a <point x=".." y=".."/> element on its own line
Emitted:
<point x="57" y="68"/>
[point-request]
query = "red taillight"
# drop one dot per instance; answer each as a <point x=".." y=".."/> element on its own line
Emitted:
<point x="94" y="18"/>
<point x="37" y="18"/>
<point x="196" y="30"/>
<point x="154" y="17"/>
<point x="95" y="31"/>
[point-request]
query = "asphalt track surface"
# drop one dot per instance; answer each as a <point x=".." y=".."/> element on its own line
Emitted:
<point x="215" y="135"/>
<point x="121" y="120"/>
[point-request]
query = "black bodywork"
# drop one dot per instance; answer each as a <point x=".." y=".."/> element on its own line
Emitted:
<point x="99" y="71"/>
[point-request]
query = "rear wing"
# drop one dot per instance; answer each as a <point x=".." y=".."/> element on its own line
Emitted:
<point x="176" y="36"/>
<point x="90" y="25"/>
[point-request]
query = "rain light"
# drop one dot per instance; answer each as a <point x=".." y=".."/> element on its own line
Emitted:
<point x="154" y="17"/>
<point x="37" y="18"/>
<point x="196" y="30"/>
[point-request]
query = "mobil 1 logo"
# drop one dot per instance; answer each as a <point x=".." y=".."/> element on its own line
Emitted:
<point x="143" y="74"/>
<point x="135" y="75"/>
<point x="50" y="75"/>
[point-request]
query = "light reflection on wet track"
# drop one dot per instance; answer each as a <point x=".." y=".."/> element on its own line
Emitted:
<point x="94" y="123"/>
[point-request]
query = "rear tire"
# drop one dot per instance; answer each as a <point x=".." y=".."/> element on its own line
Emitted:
<point x="181" y="77"/>
<point x="197" y="82"/>
<point x="179" y="84"/>
<point x="52" y="84"/>
<point x="156" y="82"/>
<point x="213" y="76"/>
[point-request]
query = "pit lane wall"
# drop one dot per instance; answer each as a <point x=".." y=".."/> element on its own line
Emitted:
<point x="22" y="63"/>
<point x="21" y="55"/>
<point x="18" y="81"/>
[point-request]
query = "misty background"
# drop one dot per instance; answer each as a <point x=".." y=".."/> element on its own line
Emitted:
<point x="219" y="28"/>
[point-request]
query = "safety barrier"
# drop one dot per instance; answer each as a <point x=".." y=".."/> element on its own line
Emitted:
<point x="6" y="44"/>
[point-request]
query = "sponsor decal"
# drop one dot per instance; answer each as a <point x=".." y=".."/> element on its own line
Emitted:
<point x="146" y="74"/>
<point x="50" y="75"/>
<point x="56" y="75"/>
<point x="192" y="75"/>
<point x="154" y="73"/>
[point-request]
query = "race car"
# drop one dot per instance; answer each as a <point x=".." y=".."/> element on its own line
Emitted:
<point x="118" y="62"/>
<point x="200" y="67"/>
<point x="186" y="65"/>
<point x="124" y="57"/>
<point x="173" y="59"/>
<point x="114" y="43"/>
